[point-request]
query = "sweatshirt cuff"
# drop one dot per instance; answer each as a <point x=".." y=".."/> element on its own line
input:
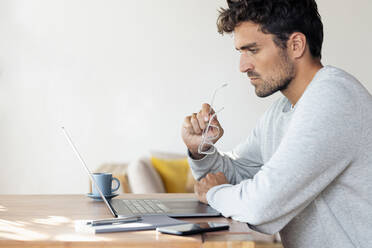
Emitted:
<point x="201" y="167"/>
<point x="209" y="150"/>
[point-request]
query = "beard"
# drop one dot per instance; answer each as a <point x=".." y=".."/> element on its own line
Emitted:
<point x="282" y="75"/>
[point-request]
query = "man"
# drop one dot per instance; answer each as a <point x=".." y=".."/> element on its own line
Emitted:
<point x="306" y="168"/>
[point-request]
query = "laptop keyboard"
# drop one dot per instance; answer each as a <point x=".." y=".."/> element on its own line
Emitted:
<point x="145" y="206"/>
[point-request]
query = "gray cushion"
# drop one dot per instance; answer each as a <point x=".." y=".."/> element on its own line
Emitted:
<point x="143" y="178"/>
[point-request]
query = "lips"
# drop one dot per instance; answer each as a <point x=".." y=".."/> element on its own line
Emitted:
<point x="253" y="81"/>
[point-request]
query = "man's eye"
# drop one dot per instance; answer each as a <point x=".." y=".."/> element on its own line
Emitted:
<point x="249" y="51"/>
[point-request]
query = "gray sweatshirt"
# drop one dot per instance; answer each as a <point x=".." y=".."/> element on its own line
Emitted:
<point x="307" y="171"/>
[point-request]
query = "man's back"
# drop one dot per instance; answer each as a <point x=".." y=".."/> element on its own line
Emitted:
<point x="341" y="215"/>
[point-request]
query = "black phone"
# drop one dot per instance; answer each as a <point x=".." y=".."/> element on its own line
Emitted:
<point x="193" y="228"/>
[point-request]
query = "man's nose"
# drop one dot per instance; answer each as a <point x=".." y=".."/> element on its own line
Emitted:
<point x="245" y="63"/>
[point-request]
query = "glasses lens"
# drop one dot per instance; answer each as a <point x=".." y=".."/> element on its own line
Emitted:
<point x="211" y="132"/>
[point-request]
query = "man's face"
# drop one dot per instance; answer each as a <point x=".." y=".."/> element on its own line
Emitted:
<point x="267" y="65"/>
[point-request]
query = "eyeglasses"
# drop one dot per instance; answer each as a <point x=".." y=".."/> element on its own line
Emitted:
<point x="208" y="140"/>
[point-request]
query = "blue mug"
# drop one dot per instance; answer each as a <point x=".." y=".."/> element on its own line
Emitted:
<point x="104" y="182"/>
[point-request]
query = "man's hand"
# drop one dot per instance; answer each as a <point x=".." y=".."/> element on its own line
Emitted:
<point x="203" y="185"/>
<point x="193" y="127"/>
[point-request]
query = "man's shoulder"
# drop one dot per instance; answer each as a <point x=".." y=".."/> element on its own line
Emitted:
<point x="336" y="94"/>
<point x="333" y="83"/>
<point x="335" y="79"/>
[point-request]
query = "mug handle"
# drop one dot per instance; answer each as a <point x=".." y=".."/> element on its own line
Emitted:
<point x="118" y="186"/>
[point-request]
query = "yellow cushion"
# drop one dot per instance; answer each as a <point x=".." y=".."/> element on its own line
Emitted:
<point x="173" y="173"/>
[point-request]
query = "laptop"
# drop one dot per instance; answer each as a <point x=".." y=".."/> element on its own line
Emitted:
<point x="179" y="207"/>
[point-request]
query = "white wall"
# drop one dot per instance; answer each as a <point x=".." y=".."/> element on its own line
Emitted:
<point x="121" y="76"/>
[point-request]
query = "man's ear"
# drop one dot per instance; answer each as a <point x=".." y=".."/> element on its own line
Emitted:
<point x="296" y="45"/>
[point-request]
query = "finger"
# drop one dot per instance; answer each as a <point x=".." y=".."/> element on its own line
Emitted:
<point x="195" y="124"/>
<point x="220" y="174"/>
<point x="209" y="176"/>
<point x="201" y="198"/>
<point x="196" y="187"/>
<point x="201" y="181"/>
<point x="215" y="122"/>
<point x="187" y="124"/>
<point x="202" y="122"/>
<point x="197" y="191"/>
<point x="221" y="178"/>
<point x="207" y="111"/>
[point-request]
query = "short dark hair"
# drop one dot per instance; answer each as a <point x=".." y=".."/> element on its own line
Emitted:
<point x="278" y="17"/>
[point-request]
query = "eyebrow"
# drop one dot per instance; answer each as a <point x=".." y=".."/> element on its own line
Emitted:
<point x="247" y="46"/>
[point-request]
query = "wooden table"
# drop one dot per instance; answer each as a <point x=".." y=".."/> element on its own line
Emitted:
<point x="48" y="221"/>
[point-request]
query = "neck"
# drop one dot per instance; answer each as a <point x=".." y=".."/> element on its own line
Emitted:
<point x="304" y="76"/>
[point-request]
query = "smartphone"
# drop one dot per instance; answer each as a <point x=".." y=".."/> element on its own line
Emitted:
<point x="193" y="228"/>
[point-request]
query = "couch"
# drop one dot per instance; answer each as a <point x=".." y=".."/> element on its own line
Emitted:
<point x="156" y="172"/>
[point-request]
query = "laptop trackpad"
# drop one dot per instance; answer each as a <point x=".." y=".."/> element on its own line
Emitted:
<point x="187" y="206"/>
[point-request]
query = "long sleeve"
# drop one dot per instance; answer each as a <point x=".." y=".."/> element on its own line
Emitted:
<point x="320" y="143"/>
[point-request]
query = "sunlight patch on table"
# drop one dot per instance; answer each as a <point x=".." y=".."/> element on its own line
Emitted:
<point x="53" y="220"/>
<point x="4" y="223"/>
<point x="80" y="237"/>
<point x="15" y="231"/>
